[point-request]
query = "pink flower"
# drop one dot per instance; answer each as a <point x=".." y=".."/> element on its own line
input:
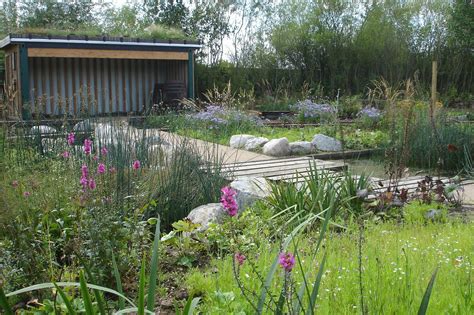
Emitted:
<point x="103" y="151"/>
<point x="26" y="194"/>
<point x="84" y="171"/>
<point x="95" y="157"/>
<point x="15" y="184"/>
<point x="240" y="258"/>
<point x="70" y="138"/>
<point x="228" y="201"/>
<point x="287" y="261"/>
<point x="84" y="182"/>
<point x="92" y="184"/>
<point x="87" y="146"/>
<point x="136" y="165"/>
<point x="101" y="168"/>
<point x="66" y="154"/>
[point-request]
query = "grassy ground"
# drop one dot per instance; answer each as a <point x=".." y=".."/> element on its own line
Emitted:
<point x="397" y="263"/>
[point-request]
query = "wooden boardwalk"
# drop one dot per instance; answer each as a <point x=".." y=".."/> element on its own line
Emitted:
<point x="284" y="169"/>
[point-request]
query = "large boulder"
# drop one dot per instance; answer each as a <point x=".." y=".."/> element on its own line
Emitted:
<point x="325" y="143"/>
<point x="239" y="141"/>
<point x="42" y="130"/>
<point x="277" y="147"/>
<point x="255" y="144"/>
<point x="301" y="147"/>
<point x="249" y="190"/>
<point x="206" y="214"/>
<point x="84" y="126"/>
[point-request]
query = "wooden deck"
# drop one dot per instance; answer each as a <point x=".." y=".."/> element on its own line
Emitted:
<point x="285" y="169"/>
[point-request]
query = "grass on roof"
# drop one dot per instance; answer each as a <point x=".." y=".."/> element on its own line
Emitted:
<point x="155" y="31"/>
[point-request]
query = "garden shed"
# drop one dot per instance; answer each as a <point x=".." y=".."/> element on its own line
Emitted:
<point x="58" y="75"/>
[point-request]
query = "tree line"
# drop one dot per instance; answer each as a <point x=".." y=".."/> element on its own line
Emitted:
<point x="334" y="46"/>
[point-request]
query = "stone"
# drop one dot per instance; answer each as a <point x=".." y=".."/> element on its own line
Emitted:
<point x="362" y="193"/>
<point x="255" y="144"/>
<point x="206" y="214"/>
<point x="239" y="141"/>
<point x="154" y="140"/>
<point x="325" y="143"/>
<point x="53" y="145"/>
<point x="301" y="147"/>
<point x="249" y="190"/>
<point x="83" y="126"/>
<point x="431" y="214"/>
<point x="277" y="147"/>
<point x="42" y="130"/>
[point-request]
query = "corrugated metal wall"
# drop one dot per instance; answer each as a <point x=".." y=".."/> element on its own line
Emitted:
<point x="98" y="86"/>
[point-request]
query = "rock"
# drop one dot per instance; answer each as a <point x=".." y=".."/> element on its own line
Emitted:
<point x="249" y="190"/>
<point x="431" y="214"/>
<point x="255" y="144"/>
<point x="203" y="215"/>
<point x="277" y="147"/>
<point x="325" y="143"/>
<point x="362" y="193"/>
<point x="83" y="126"/>
<point x="42" y="130"/>
<point x="52" y="145"/>
<point x="154" y="140"/>
<point x="301" y="147"/>
<point x="239" y="141"/>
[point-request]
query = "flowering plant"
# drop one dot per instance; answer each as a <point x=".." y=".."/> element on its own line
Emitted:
<point x="215" y="116"/>
<point x="308" y="111"/>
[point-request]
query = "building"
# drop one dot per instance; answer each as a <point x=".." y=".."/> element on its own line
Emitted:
<point x="69" y="75"/>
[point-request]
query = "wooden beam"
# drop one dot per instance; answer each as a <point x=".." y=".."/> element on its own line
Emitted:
<point x="105" y="54"/>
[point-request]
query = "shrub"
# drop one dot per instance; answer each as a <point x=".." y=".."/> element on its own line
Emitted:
<point x="308" y="111"/>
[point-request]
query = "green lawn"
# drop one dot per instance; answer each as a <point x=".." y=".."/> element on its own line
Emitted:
<point x="397" y="263"/>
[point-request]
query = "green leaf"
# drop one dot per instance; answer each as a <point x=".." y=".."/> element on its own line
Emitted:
<point x="98" y="296"/>
<point x="63" y="295"/>
<point x="191" y="305"/>
<point x="4" y="303"/>
<point x="317" y="284"/>
<point x="85" y="295"/>
<point x="118" y="281"/>
<point x="50" y="285"/>
<point x="141" y="289"/>
<point x="153" y="269"/>
<point x="426" y="297"/>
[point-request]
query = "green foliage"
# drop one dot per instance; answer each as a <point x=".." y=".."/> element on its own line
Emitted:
<point x="418" y="213"/>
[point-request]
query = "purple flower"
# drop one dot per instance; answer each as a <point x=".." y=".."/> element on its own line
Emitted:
<point x="26" y="194"/>
<point x="370" y="112"/>
<point x="240" y="258"/>
<point x="101" y="168"/>
<point x="103" y="151"/>
<point x="70" y="138"/>
<point x="136" y="165"/>
<point x="84" y="171"/>
<point x="228" y="201"/>
<point x="312" y="110"/>
<point x="66" y="154"/>
<point x="287" y="261"/>
<point x="87" y="146"/>
<point x="92" y="184"/>
<point x="84" y="182"/>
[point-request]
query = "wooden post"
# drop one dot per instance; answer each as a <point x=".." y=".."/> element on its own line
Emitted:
<point x="434" y="83"/>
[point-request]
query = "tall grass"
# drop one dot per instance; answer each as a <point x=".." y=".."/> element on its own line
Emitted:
<point x="444" y="151"/>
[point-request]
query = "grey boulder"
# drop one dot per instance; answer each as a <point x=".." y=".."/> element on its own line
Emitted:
<point x="277" y="147"/>
<point x="239" y="141"/>
<point x="255" y="144"/>
<point x="42" y="130"/>
<point x="301" y="147"/>
<point x="325" y="143"/>
<point x="206" y="214"/>
<point x="249" y="190"/>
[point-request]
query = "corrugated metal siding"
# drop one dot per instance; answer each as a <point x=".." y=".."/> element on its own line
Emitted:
<point x="98" y="86"/>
